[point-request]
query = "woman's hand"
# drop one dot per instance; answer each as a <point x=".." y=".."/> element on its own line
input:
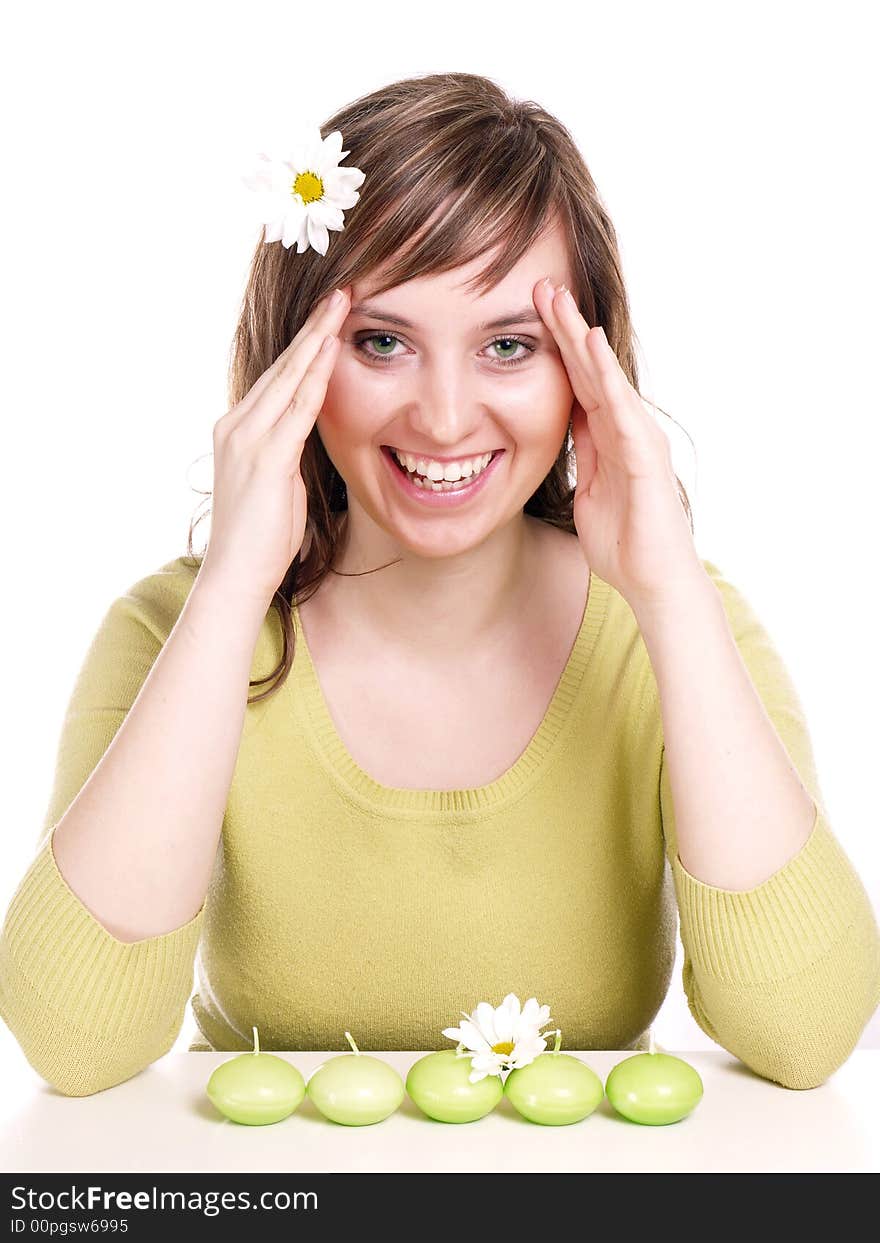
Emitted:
<point x="259" y="513"/>
<point x="630" y="521"/>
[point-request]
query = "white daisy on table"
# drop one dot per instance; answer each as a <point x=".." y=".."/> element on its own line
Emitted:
<point x="303" y="196"/>
<point x="501" y="1038"/>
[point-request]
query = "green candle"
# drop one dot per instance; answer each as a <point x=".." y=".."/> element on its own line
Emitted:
<point x="654" y="1088"/>
<point x="555" y="1089"/>
<point x="355" y="1089"/>
<point x="440" y="1086"/>
<point x="256" y="1088"/>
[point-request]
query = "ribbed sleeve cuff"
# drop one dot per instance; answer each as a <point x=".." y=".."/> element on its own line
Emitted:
<point x="57" y="954"/>
<point x="780" y="927"/>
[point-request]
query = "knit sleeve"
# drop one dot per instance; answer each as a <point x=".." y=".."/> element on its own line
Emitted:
<point x="785" y="975"/>
<point x="88" y="1010"/>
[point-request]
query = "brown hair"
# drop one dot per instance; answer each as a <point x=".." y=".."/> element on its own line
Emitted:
<point x="431" y="202"/>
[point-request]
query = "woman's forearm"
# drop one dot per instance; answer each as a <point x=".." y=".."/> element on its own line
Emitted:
<point x="741" y="810"/>
<point x="137" y="844"/>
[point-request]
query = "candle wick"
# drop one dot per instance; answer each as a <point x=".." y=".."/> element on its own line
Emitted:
<point x="350" y="1040"/>
<point x="558" y="1041"/>
<point x="256" y="1041"/>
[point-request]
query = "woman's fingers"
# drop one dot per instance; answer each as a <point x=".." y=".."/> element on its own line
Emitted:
<point x="288" y="435"/>
<point x="278" y="394"/>
<point x="570" y="330"/>
<point x="272" y="393"/>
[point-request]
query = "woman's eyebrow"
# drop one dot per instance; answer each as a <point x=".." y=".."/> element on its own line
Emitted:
<point x="526" y="315"/>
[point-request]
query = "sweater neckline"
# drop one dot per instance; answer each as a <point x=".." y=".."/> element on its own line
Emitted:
<point x="315" y="715"/>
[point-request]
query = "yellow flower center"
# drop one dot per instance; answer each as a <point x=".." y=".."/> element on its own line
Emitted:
<point x="308" y="186"/>
<point x="505" y="1047"/>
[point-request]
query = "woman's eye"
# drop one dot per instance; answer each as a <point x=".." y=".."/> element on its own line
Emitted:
<point x="508" y="343"/>
<point x="376" y="336"/>
<point x="382" y="353"/>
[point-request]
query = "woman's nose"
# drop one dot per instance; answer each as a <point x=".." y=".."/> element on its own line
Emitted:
<point x="447" y="414"/>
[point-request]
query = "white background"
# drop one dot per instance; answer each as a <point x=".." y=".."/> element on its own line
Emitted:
<point x="735" y="147"/>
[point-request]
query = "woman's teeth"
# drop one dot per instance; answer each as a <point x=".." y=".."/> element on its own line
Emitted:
<point x="437" y="477"/>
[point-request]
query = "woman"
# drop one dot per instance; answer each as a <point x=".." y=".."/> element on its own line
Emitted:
<point x="496" y="708"/>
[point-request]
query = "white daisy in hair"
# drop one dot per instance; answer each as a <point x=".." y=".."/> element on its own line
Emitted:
<point x="303" y="196"/>
<point x="501" y="1038"/>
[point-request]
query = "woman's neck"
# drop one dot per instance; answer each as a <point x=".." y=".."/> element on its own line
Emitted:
<point x="447" y="606"/>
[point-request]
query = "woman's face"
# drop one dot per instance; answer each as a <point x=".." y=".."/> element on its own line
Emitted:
<point x="446" y="386"/>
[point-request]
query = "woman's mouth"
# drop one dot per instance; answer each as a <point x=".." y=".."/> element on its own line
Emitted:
<point x="443" y="493"/>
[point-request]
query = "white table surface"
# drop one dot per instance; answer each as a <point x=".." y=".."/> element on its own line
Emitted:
<point x="162" y="1120"/>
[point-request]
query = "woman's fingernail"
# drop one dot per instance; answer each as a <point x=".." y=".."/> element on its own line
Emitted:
<point x="336" y="299"/>
<point x="546" y="283"/>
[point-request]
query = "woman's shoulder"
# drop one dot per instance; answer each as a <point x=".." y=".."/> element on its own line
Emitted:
<point x="173" y="580"/>
<point x="157" y="597"/>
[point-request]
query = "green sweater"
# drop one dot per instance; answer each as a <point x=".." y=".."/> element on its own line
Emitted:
<point x="339" y="904"/>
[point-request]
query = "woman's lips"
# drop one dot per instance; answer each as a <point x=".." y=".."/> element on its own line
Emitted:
<point x="446" y="497"/>
<point x="431" y="457"/>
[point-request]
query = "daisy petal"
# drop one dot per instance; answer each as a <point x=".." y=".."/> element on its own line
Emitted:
<point x="484" y="1060"/>
<point x="305" y="145"/>
<point x="490" y="1064"/>
<point x="319" y="238"/>
<point x="302" y="241"/>
<point x="331" y="152"/>
<point x="347" y="179"/>
<point x="525" y="1060"/>
<point x="530" y="1010"/>
<point x="298" y="159"/>
<point x="505" y="1025"/>
<point x="327" y="213"/>
<point x="484" y="1016"/>
<point x="293" y="223"/>
<point x="332" y="145"/>
<point x="507" y="1018"/>
<point x="315" y="153"/>
<point x="344" y="200"/>
<point x="473" y="1037"/>
<point x="529" y="1047"/>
